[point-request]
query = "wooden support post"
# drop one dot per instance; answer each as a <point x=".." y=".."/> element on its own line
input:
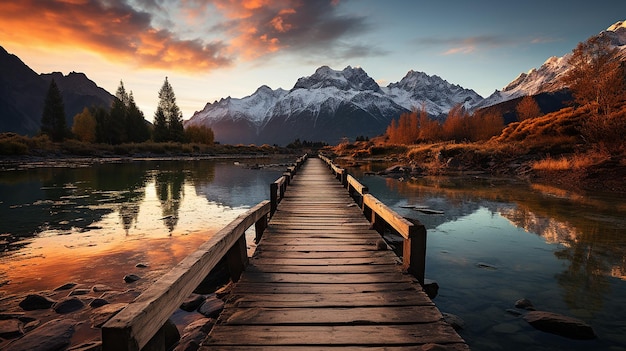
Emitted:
<point x="414" y="252"/>
<point x="344" y="177"/>
<point x="273" y="198"/>
<point x="237" y="258"/>
<point x="287" y="176"/>
<point x="259" y="228"/>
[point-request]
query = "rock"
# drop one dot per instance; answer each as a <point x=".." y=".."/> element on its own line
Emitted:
<point x="101" y="315"/>
<point x="95" y="303"/>
<point x="194" y="333"/>
<point x="28" y="326"/>
<point x="36" y="302"/>
<point x="486" y="266"/>
<point x="431" y="288"/>
<point x="66" y="286"/>
<point x="224" y="290"/>
<point x="10" y="328"/>
<point x="554" y="323"/>
<point x="68" y="305"/>
<point x="130" y="278"/>
<point x="141" y="265"/>
<point x="192" y="302"/>
<point x="100" y="288"/>
<point x="77" y="292"/>
<point x="211" y="307"/>
<point x="455" y="321"/>
<point x="524" y="304"/>
<point x="54" y="335"/>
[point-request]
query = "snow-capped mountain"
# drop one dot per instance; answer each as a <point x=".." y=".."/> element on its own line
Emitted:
<point x="546" y="78"/>
<point x="328" y="106"/>
<point x="437" y="96"/>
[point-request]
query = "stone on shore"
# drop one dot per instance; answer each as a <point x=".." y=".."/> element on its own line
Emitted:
<point x="36" y="302"/>
<point x="558" y="324"/>
<point x="524" y="304"/>
<point x="194" y="333"/>
<point x="10" y="328"/>
<point x="54" y="335"/>
<point x="192" y="302"/>
<point x="65" y="286"/>
<point x="211" y="307"/>
<point x="455" y="321"/>
<point x="98" y="302"/>
<point x="431" y="287"/>
<point x="130" y="278"/>
<point x="68" y="305"/>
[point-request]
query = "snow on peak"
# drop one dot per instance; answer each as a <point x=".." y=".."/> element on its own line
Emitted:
<point x="347" y="79"/>
<point x="616" y="26"/>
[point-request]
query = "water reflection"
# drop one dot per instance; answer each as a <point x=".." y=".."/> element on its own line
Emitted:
<point x="576" y="268"/>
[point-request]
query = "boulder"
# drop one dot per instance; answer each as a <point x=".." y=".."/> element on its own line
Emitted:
<point x="77" y="292"/>
<point x="130" y="278"/>
<point x="68" y="305"/>
<point x="36" y="302"/>
<point x="211" y="307"/>
<point x="192" y="302"/>
<point x="558" y="324"/>
<point x="54" y="335"/>
<point x="100" y="288"/>
<point x="194" y="333"/>
<point x="95" y="303"/>
<point x="524" y="304"/>
<point x="10" y="328"/>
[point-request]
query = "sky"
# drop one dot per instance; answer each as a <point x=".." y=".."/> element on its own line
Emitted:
<point x="212" y="49"/>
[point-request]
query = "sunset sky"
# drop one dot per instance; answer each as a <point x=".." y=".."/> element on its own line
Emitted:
<point x="211" y="49"/>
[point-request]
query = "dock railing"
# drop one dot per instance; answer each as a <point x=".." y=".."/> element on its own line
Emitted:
<point x="382" y="217"/>
<point x="140" y="322"/>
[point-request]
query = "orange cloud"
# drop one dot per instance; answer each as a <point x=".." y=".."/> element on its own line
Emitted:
<point x="116" y="31"/>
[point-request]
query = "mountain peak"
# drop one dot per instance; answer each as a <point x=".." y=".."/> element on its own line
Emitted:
<point x="347" y="79"/>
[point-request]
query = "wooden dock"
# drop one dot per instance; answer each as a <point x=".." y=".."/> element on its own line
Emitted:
<point x="319" y="280"/>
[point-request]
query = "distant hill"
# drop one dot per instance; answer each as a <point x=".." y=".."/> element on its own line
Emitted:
<point x="22" y="93"/>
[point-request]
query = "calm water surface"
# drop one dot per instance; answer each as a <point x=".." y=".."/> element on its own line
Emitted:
<point x="93" y="223"/>
<point x="498" y="241"/>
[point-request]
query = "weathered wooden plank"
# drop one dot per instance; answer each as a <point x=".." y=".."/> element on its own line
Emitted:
<point x="371" y="299"/>
<point x="261" y="252"/>
<point x="331" y="316"/>
<point x="246" y="287"/>
<point x="321" y="261"/>
<point x="325" y="248"/>
<point x="338" y="278"/>
<point x="374" y="335"/>
<point x="322" y="269"/>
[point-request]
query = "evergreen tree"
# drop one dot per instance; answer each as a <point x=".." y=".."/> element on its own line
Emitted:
<point x="168" y="120"/>
<point x="53" y="118"/>
<point x="137" y="128"/>
<point x="117" y="123"/>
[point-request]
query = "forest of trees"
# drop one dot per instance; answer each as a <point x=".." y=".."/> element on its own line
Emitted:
<point x="123" y="122"/>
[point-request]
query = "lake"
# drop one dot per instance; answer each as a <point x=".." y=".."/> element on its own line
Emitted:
<point x="490" y="241"/>
<point x="493" y="241"/>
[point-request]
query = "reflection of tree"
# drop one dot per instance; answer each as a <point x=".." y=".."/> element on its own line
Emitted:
<point x="585" y="281"/>
<point x="169" y="188"/>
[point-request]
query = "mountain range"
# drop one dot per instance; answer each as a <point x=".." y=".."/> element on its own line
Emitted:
<point x="328" y="105"/>
<point x="22" y="93"/>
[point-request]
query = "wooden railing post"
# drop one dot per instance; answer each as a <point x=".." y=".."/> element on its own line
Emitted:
<point x="259" y="228"/>
<point x="414" y="252"/>
<point x="273" y="198"/>
<point x="237" y="258"/>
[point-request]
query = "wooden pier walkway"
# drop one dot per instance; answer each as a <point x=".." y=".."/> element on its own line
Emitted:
<point x="319" y="281"/>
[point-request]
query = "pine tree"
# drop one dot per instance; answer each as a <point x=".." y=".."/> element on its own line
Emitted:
<point x="117" y="131"/>
<point x="137" y="128"/>
<point x="168" y="120"/>
<point x="53" y="118"/>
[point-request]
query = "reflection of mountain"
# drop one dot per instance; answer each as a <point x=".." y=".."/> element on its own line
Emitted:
<point x="552" y="230"/>
<point x="236" y="186"/>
